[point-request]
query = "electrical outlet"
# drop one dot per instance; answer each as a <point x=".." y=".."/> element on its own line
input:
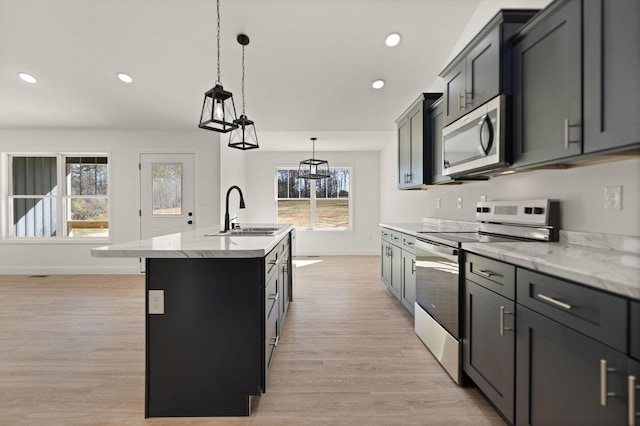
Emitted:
<point x="156" y="302"/>
<point x="438" y="203"/>
<point x="613" y="198"/>
<point x="459" y="202"/>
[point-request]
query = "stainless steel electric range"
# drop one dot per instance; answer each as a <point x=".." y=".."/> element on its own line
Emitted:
<point x="438" y="262"/>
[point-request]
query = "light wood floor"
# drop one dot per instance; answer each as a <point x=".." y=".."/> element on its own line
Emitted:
<point x="72" y="352"/>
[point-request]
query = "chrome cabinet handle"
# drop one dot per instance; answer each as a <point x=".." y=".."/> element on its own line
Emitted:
<point x="632" y="401"/>
<point x="603" y="382"/>
<point x="502" y="314"/>
<point x="275" y="341"/>
<point x="486" y="273"/>
<point x="408" y="243"/>
<point x="462" y="100"/>
<point x="567" y="126"/>
<point x="274" y="297"/>
<point x="413" y="266"/>
<point x="555" y="302"/>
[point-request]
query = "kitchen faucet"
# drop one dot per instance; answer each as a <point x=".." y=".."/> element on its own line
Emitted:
<point x="226" y="213"/>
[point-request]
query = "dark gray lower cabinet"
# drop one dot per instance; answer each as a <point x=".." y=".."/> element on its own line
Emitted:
<point x="489" y="345"/>
<point x="408" y="280"/>
<point x="213" y="346"/>
<point x="566" y="378"/>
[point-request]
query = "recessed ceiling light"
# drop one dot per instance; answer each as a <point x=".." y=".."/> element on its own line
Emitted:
<point x="27" y="77"/>
<point x="377" y="84"/>
<point x="125" y="78"/>
<point x="392" y="39"/>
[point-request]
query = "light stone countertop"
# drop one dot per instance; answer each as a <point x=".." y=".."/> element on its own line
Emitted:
<point x="194" y="244"/>
<point x="605" y="262"/>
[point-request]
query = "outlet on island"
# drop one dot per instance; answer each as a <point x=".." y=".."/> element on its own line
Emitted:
<point x="156" y="302"/>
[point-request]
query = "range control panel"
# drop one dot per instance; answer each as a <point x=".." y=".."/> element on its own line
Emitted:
<point x="541" y="212"/>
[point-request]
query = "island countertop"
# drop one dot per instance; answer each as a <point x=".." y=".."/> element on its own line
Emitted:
<point x="195" y="244"/>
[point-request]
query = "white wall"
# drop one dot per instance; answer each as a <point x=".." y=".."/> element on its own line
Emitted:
<point x="260" y="198"/>
<point x="124" y="148"/>
<point x="580" y="191"/>
<point x="232" y="172"/>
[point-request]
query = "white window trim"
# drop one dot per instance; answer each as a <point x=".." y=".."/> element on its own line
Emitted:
<point x="312" y="206"/>
<point x="6" y="212"/>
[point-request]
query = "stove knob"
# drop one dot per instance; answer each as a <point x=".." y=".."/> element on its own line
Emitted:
<point x="528" y="210"/>
<point x="538" y="210"/>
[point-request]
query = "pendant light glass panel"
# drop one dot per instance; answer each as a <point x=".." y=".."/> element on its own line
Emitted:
<point x="218" y="111"/>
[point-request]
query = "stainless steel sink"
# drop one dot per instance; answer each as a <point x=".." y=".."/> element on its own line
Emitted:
<point x="246" y="232"/>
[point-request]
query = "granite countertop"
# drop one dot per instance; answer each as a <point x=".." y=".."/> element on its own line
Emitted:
<point x="195" y="244"/>
<point x="604" y="262"/>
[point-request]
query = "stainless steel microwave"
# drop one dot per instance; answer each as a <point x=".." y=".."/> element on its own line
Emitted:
<point x="475" y="143"/>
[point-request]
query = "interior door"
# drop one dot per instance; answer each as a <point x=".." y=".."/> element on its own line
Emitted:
<point x="166" y="194"/>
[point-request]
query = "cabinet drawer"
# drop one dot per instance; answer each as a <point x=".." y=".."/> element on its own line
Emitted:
<point x="492" y="274"/>
<point x="599" y="315"/>
<point x="634" y="330"/>
<point x="409" y="243"/>
<point x="271" y="341"/>
<point x="271" y="263"/>
<point x="391" y="236"/>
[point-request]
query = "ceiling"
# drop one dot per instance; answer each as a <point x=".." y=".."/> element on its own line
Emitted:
<point x="309" y="65"/>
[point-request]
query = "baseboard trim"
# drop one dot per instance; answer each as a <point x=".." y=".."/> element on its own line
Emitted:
<point x="69" y="270"/>
<point x="329" y="252"/>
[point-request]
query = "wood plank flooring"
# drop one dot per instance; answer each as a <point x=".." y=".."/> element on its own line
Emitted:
<point x="72" y="353"/>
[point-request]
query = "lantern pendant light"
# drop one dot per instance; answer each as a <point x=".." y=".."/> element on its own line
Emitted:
<point x="218" y="109"/>
<point x="244" y="135"/>
<point x="313" y="168"/>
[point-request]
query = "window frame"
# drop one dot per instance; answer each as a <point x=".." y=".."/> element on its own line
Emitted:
<point x="313" y="199"/>
<point x="61" y="199"/>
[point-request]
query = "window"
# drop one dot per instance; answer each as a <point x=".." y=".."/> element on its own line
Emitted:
<point x="55" y="195"/>
<point x="314" y="204"/>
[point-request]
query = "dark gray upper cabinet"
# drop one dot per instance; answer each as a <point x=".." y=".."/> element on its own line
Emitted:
<point x="611" y="74"/>
<point x="482" y="70"/>
<point x="415" y="153"/>
<point x="547" y="86"/>
<point x="437" y="124"/>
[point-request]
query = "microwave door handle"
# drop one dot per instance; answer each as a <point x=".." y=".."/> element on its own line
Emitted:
<point x="485" y="140"/>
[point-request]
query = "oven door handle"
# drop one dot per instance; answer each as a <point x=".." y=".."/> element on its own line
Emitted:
<point x="421" y="245"/>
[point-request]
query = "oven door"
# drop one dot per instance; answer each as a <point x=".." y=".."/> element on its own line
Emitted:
<point x="475" y="142"/>
<point x="437" y="283"/>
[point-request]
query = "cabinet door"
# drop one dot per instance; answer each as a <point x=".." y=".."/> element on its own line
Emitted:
<point x="385" y="265"/>
<point x="404" y="153"/>
<point x="547" y="88"/>
<point x="416" y="151"/>
<point x="455" y="96"/>
<point x="489" y="345"/>
<point x="483" y="71"/>
<point x="559" y="378"/>
<point x="437" y="124"/>
<point x="408" y="280"/>
<point x="396" y="270"/>
<point x="633" y="392"/>
<point x="611" y="74"/>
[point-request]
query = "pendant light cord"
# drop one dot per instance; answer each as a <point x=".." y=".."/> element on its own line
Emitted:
<point x="218" y="21"/>
<point x="243" y="80"/>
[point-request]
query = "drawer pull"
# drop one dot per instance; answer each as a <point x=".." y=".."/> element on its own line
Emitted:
<point x="603" y="382"/>
<point x="502" y="314"/>
<point x="632" y="401"/>
<point x="486" y="273"/>
<point x="393" y="237"/>
<point x="275" y="341"/>
<point x="274" y="297"/>
<point x="555" y="302"/>
<point x="413" y="266"/>
<point x="408" y="243"/>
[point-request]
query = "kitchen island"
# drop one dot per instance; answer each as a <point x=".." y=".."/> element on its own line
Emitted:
<point x="214" y="308"/>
